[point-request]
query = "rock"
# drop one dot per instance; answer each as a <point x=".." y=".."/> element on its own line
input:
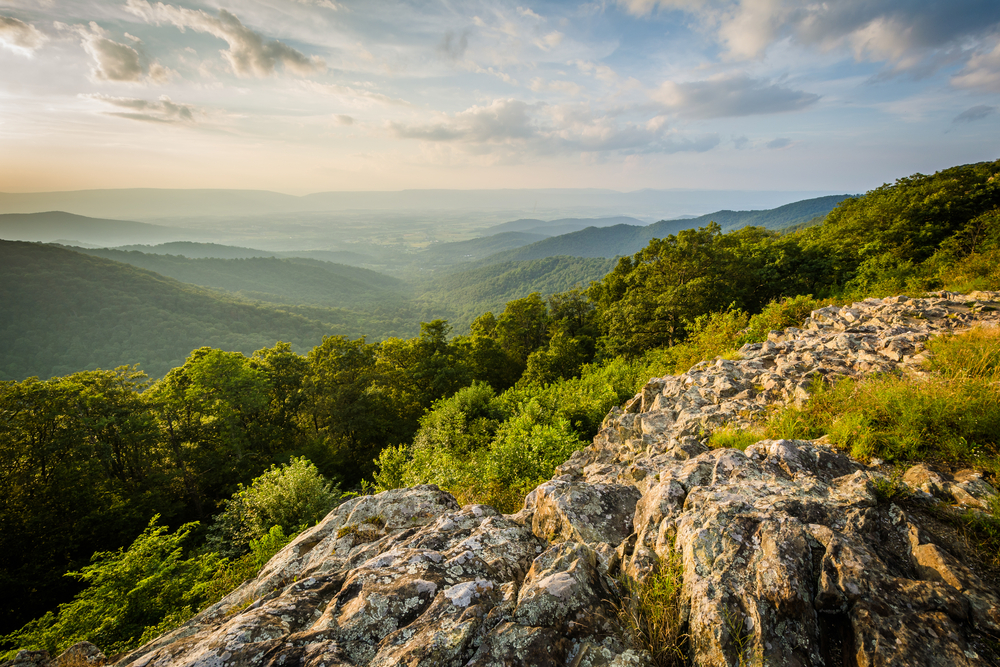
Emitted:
<point x="81" y="654"/>
<point x="29" y="659"/>
<point x="783" y="554"/>
<point x="589" y="513"/>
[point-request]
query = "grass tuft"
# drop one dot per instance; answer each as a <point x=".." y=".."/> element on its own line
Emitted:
<point x="730" y="437"/>
<point x="649" y="611"/>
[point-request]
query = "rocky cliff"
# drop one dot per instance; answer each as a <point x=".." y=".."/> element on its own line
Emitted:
<point x="789" y="552"/>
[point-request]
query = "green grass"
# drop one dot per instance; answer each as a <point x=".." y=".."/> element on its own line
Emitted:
<point x="730" y="437"/>
<point x="650" y="614"/>
<point x="950" y="415"/>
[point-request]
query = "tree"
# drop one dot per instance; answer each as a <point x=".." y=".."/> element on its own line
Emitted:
<point x="522" y="328"/>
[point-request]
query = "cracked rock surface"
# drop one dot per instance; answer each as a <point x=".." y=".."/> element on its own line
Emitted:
<point x="789" y="554"/>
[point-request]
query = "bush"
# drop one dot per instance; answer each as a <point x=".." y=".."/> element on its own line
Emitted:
<point x="292" y="496"/>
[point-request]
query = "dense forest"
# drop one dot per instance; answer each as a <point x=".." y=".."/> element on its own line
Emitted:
<point x="166" y="486"/>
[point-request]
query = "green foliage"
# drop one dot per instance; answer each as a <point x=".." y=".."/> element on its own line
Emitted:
<point x="230" y="574"/>
<point x="291" y="497"/>
<point x="650" y="612"/>
<point x="891" y="231"/>
<point x="655" y="297"/>
<point x="391" y="464"/>
<point x="127" y="591"/>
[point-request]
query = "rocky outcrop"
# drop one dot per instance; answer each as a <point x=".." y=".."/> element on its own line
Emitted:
<point x="790" y="552"/>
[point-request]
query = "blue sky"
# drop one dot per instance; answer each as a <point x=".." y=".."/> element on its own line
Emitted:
<point x="310" y="95"/>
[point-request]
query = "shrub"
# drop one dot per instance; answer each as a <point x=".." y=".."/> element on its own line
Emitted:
<point x="292" y="496"/>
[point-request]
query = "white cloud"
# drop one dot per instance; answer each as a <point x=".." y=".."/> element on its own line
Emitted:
<point x="730" y="96"/>
<point x="329" y="4"/>
<point x="500" y="121"/>
<point x="19" y="36"/>
<point x="249" y="54"/>
<point x="161" y="111"/>
<point x="779" y="143"/>
<point x="355" y="93"/>
<point x="565" y="87"/>
<point x="114" y="61"/>
<point x="906" y="34"/>
<point x="982" y="71"/>
<point x="514" y="128"/>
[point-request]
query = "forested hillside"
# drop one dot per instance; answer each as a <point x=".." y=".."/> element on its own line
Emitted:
<point x="90" y="458"/>
<point x="64" y="311"/>
<point x="466" y="294"/>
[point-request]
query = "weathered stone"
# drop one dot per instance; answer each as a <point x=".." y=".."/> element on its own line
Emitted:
<point x="590" y="513"/>
<point x="80" y="654"/>
<point x="565" y="589"/>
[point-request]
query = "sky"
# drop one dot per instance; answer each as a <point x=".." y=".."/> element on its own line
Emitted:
<point x="302" y="96"/>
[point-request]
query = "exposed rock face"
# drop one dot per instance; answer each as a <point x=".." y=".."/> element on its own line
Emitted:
<point x="790" y="554"/>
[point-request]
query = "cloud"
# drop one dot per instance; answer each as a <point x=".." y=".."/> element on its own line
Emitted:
<point x="977" y="112"/>
<point x="354" y="93"/>
<point x="114" y="61"/>
<point x="731" y="96"/>
<point x="517" y="128"/>
<point x="904" y="33"/>
<point x="344" y="120"/>
<point x="249" y="54"/>
<point x="161" y="111"/>
<point x="565" y="87"/>
<point x="981" y="71"/>
<point x="500" y="121"/>
<point x="780" y="142"/>
<point x="20" y="37"/>
<point x="329" y="4"/>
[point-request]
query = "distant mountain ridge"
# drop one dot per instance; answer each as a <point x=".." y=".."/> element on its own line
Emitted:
<point x="621" y="240"/>
<point x="277" y="280"/>
<point x="560" y="226"/>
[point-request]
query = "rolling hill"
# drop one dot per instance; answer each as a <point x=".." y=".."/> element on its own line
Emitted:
<point x="466" y="294"/>
<point x="65" y="311"/>
<point x="560" y="226"/>
<point x="195" y="250"/>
